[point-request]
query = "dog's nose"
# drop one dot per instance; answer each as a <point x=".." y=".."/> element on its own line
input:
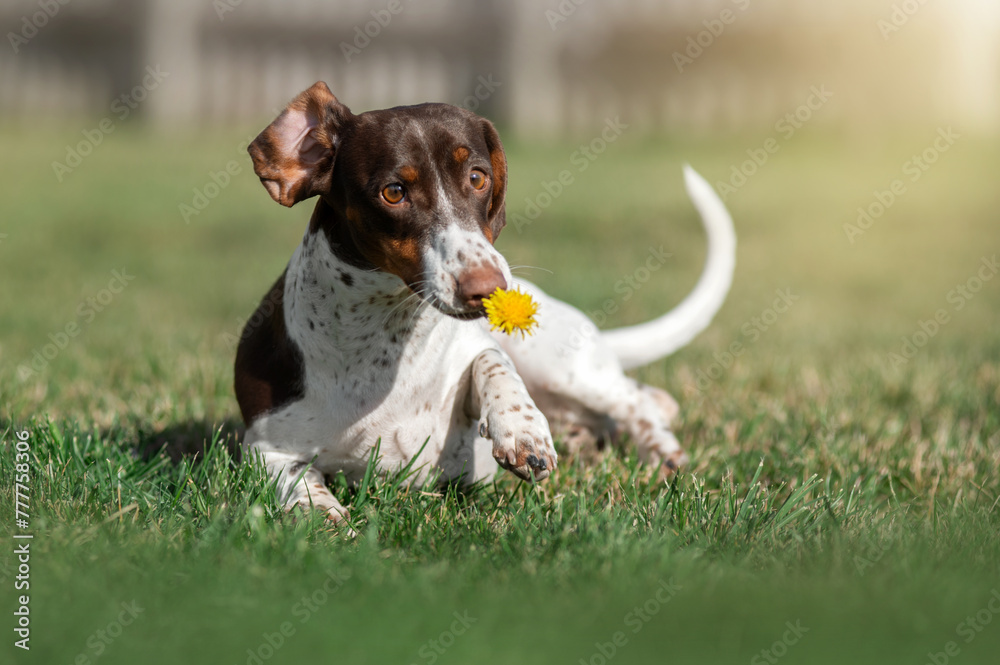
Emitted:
<point x="477" y="284"/>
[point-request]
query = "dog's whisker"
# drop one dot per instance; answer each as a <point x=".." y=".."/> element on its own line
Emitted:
<point x="519" y="267"/>
<point x="399" y="307"/>
<point x="418" y="293"/>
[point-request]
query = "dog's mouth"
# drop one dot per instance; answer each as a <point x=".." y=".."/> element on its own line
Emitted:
<point x="468" y="315"/>
<point x="460" y="313"/>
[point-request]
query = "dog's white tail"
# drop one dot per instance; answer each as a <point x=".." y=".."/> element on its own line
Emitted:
<point x="641" y="344"/>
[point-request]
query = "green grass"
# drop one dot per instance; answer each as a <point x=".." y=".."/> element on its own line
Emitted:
<point x="827" y="489"/>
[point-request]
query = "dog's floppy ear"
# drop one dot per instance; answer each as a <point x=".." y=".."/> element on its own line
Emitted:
<point x="294" y="156"/>
<point x="498" y="162"/>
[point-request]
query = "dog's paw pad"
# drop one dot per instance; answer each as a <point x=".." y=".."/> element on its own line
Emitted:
<point x="522" y="443"/>
<point x="535" y="457"/>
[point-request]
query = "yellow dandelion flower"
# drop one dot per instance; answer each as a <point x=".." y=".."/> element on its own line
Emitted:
<point x="511" y="311"/>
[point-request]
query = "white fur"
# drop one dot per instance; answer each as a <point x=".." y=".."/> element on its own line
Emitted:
<point x="447" y="393"/>
<point x="451" y="250"/>
<point x="422" y="392"/>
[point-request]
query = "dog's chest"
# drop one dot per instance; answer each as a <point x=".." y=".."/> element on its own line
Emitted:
<point x="379" y="364"/>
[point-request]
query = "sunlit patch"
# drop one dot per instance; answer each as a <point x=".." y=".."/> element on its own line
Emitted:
<point x="511" y="311"/>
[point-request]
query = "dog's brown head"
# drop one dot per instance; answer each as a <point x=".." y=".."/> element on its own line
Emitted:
<point x="416" y="191"/>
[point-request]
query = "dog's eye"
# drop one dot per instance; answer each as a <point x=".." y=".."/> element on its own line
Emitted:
<point x="477" y="178"/>
<point x="393" y="193"/>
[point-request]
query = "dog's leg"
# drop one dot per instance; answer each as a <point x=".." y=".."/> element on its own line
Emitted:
<point x="645" y="412"/>
<point x="522" y="442"/>
<point x="568" y="363"/>
<point x="300" y="485"/>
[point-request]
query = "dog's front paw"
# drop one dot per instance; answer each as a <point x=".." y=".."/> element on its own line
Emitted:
<point x="319" y="497"/>
<point x="522" y="442"/>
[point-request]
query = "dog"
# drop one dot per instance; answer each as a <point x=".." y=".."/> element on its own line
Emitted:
<point x="375" y="333"/>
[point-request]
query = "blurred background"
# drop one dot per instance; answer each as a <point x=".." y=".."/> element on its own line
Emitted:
<point x="562" y="66"/>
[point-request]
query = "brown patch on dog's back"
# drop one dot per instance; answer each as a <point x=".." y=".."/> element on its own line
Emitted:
<point x="269" y="369"/>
